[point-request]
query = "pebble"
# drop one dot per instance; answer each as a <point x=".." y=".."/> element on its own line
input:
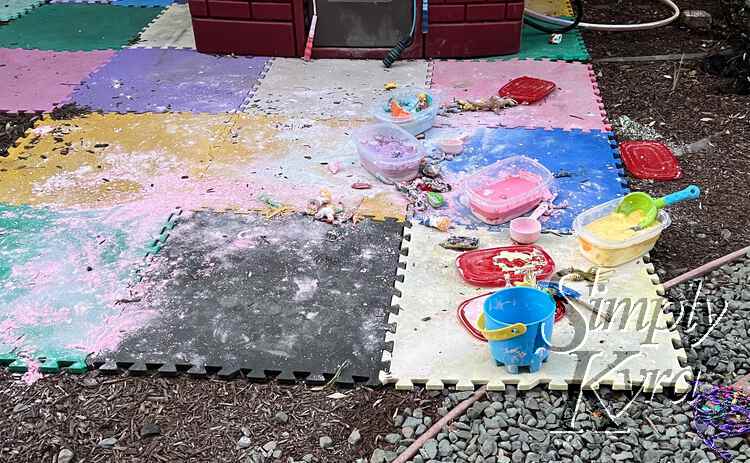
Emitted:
<point x="244" y="442"/>
<point x="65" y="456"/>
<point x="325" y="442"/>
<point x="150" y="430"/>
<point x="392" y="438"/>
<point x="281" y="417"/>
<point x="107" y="443"/>
<point x="354" y="437"/>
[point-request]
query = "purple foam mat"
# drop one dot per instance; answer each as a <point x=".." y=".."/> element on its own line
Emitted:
<point x="36" y="80"/>
<point x="161" y="80"/>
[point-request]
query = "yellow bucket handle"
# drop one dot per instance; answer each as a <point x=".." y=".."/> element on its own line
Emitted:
<point x="501" y="334"/>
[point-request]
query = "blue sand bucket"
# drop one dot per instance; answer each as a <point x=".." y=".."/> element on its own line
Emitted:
<point x="518" y="322"/>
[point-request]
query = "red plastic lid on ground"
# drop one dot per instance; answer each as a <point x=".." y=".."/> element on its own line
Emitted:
<point x="527" y="89"/>
<point x="495" y="267"/>
<point x="650" y="160"/>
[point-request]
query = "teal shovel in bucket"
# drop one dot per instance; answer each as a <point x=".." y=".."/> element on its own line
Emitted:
<point x="517" y="323"/>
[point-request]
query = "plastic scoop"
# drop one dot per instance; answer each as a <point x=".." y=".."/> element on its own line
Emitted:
<point x="640" y="201"/>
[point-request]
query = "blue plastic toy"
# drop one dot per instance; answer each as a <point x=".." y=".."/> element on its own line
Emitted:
<point x="517" y="323"/>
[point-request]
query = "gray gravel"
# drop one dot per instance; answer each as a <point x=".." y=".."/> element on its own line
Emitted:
<point x="525" y="427"/>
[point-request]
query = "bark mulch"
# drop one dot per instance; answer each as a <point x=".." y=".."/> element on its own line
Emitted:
<point x="198" y="419"/>
<point x="684" y="104"/>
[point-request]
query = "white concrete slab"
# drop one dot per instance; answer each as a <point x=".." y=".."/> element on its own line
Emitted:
<point x="438" y="352"/>
<point x="171" y="29"/>
<point x="330" y="88"/>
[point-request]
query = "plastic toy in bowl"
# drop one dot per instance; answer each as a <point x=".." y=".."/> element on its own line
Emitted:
<point x="413" y="110"/>
<point x="507" y="189"/>
<point x="389" y="153"/>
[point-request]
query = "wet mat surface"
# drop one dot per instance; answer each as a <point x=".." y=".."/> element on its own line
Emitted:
<point x="291" y="295"/>
<point x="71" y="27"/>
<point x="61" y="275"/>
<point x="574" y="104"/>
<point x="587" y="165"/>
<point x="156" y="80"/>
<point x="11" y="9"/>
<point x="39" y="80"/>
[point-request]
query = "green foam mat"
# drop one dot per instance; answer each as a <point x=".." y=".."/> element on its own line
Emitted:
<point x="76" y="27"/>
<point x="11" y="9"/>
<point x="66" y="279"/>
<point x="535" y="45"/>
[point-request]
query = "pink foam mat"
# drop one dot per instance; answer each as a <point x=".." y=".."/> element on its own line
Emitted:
<point x="37" y="80"/>
<point x="574" y="104"/>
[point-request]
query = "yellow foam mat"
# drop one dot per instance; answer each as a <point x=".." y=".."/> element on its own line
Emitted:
<point x="550" y="7"/>
<point x="104" y="159"/>
<point x="194" y="161"/>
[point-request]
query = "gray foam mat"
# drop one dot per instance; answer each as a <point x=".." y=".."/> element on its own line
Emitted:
<point x="291" y="298"/>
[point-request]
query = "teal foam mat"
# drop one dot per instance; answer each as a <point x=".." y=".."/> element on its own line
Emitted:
<point x="65" y="281"/>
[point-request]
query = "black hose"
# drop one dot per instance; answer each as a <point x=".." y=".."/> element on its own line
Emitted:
<point x="578" y="4"/>
<point x="395" y="52"/>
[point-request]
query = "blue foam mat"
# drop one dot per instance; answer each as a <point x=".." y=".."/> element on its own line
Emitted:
<point x="591" y="159"/>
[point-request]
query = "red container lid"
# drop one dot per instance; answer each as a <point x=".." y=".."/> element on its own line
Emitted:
<point x="479" y="267"/>
<point x="468" y="313"/>
<point x="650" y="160"/>
<point x="527" y="89"/>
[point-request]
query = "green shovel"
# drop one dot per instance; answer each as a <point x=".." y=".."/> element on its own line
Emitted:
<point x="640" y="201"/>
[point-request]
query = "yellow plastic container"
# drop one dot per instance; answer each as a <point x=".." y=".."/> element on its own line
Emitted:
<point x="608" y="253"/>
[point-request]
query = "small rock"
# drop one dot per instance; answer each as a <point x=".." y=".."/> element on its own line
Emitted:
<point x="411" y="422"/>
<point x="65" y="456"/>
<point x="392" y="438"/>
<point x="421" y="429"/>
<point x="307" y="458"/>
<point x="378" y="456"/>
<point x="244" y="442"/>
<point x="107" y="443"/>
<point x="734" y="442"/>
<point x="489" y="448"/>
<point x="269" y="447"/>
<point x="354" y="437"/>
<point x="444" y="448"/>
<point x="430" y="449"/>
<point x="150" y="430"/>
<point x="407" y="432"/>
<point x="418" y="413"/>
<point x="325" y="442"/>
<point x="531" y="404"/>
<point x="281" y="417"/>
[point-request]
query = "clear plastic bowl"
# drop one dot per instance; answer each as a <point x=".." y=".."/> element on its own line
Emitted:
<point x="389" y="153"/>
<point x="507" y="189"/>
<point x="419" y="122"/>
<point x="613" y="253"/>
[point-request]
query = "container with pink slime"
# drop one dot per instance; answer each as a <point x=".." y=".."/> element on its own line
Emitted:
<point x="388" y="152"/>
<point x="507" y="189"/>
